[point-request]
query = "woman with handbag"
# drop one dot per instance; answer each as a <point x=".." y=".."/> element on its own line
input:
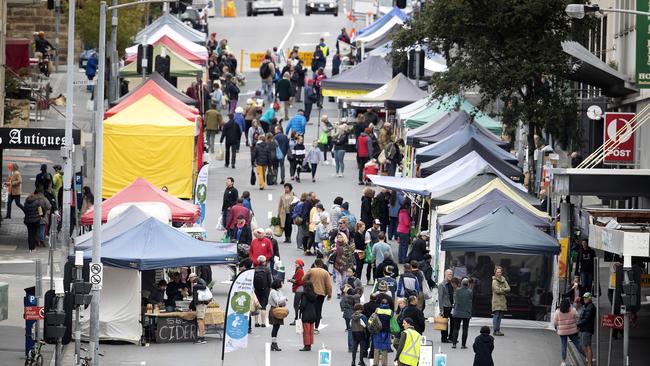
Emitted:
<point x="309" y="315"/>
<point x="279" y="311"/>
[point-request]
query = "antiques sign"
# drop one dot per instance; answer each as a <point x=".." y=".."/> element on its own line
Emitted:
<point x="36" y="138"/>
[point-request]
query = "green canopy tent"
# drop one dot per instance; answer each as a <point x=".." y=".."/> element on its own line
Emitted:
<point x="179" y="66"/>
<point x="438" y="109"/>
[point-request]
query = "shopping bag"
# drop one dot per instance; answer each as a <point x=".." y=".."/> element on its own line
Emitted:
<point x="440" y="323"/>
<point x="394" y="325"/>
<point x="299" y="326"/>
<point x="253" y="177"/>
<point x="368" y="257"/>
<point x="277" y="230"/>
<point x="219" y="154"/>
<point x="220" y="223"/>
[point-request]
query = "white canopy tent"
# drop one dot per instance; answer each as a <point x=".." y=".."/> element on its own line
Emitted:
<point x="168" y="31"/>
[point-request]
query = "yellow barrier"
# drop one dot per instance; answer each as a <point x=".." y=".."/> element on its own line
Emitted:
<point x="305" y="56"/>
<point x="255" y="59"/>
<point x="231" y="10"/>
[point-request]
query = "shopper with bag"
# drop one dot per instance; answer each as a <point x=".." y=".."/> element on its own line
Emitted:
<point x="313" y="158"/>
<point x="279" y="311"/>
<point x="297" y="158"/>
<point x="381" y="334"/>
<point x="262" y="281"/>
<point x="297" y="287"/>
<point x="261" y="160"/>
<point x="308" y="315"/>
<point x="445" y="302"/>
<point x="201" y="297"/>
<point x="565" y="322"/>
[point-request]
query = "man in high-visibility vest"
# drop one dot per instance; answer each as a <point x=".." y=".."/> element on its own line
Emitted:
<point x="408" y="350"/>
<point x="325" y="49"/>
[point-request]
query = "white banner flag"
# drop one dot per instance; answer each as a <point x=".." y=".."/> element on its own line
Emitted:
<point x="201" y="193"/>
<point x="238" y="307"/>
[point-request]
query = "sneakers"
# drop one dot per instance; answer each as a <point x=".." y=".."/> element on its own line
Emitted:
<point x="562" y="363"/>
<point x="498" y="333"/>
<point x="200" y="340"/>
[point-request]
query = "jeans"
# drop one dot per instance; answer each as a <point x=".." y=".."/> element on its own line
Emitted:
<point x="361" y="162"/>
<point x="13" y="197"/>
<point x="288" y="226"/>
<point x="267" y="89"/>
<point x="341" y="277"/>
<point x="281" y="169"/>
<point x="564" y="343"/>
<point x="231" y="149"/>
<point x="358" y="342"/>
<point x="392" y="168"/>
<point x="319" y="309"/>
<point x="211" y="134"/>
<point x="392" y="227"/>
<point x="455" y="329"/>
<point x="496" y="320"/>
<point x="32" y="231"/>
<point x="586" y="279"/>
<point x="285" y="105"/>
<point x="313" y="170"/>
<point x="403" y="247"/>
<point x="348" y="330"/>
<point x="339" y="155"/>
<point x="308" y="108"/>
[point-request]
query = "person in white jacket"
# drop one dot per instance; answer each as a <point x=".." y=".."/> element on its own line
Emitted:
<point x="322" y="232"/>
<point x="313" y="158"/>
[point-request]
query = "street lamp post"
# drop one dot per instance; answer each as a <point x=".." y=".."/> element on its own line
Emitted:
<point x="579" y="11"/>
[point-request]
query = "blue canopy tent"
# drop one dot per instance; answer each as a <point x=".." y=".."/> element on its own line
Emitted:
<point x="155" y="245"/>
<point x="130" y="218"/>
<point x="487" y="204"/>
<point x="380" y="22"/>
<point x="460" y="138"/>
<point x="501" y="231"/>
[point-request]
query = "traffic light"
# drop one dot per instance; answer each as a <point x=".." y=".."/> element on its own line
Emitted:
<point x="142" y="51"/>
<point x="81" y="291"/>
<point x="416" y="64"/>
<point x="54" y="326"/>
<point x="629" y="293"/>
<point x="400" y="4"/>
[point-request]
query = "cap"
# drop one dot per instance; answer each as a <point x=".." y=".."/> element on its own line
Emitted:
<point x="587" y="295"/>
<point x="345" y="205"/>
<point x="300" y="262"/>
<point x="382" y="286"/>
<point x="377" y="222"/>
<point x="425" y="233"/>
<point x="259" y="230"/>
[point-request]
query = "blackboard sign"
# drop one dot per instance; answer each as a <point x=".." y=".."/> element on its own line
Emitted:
<point x="175" y="330"/>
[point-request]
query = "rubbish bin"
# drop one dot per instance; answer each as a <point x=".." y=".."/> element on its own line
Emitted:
<point x="29" y="300"/>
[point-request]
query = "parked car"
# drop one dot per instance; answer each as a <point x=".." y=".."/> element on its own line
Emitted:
<point x="255" y="7"/>
<point x="322" y="7"/>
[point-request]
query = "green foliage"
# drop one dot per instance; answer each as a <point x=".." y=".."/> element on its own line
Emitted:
<point x="509" y="49"/>
<point x="12" y="83"/>
<point x="130" y="21"/>
<point x="275" y="221"/>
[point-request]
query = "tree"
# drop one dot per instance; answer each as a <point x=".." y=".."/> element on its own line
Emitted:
<point x="130" y="21"/>
<point x="509" y="49"/>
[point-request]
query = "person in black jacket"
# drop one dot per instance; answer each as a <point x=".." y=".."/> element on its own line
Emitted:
<point x="419" y="247"/>
<point x="309" y="315"/>
<point x="366" y="206"/>
<point x="262" y="160"/>
<point x="34" y="210"/>
<point x="230" y="196"/>
<point x="425" y="267"/>
<point x="380" y="208"/>
<point x="586" y="326"/>
<point x="232" y="134"/>
<point x="411" y="311"/>
<point x="483" y="347"/>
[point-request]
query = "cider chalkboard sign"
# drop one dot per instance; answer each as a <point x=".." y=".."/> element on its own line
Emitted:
<point x="175" y="330"/>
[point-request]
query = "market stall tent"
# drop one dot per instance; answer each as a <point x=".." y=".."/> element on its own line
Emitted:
<point x="405" y="112"/>
<point x="130" y="218"/>
<point x="183" y="48"/>
<point x="376" y="35"/>
<point x="510" y="170"/>
<point x="152" y="89"/>
<point x="140" y="190"/>
<point x="176" y="24"/>
<point x="522" y="197"/>
<point x="178" y="66"/>
<point x="433" y="62"/>
<point x="445" y="126"/>
<point x="160" y="82"/>
<point x="148" y="140"/>
<point x="370" y="74"/>
<point x="501" y="231"/>
<point x="381" y="21"/>
<point x="450" y="103"/>
<point x="398" y="92"/>
<point x="461" y="137"/>
<point x="488" y="203"/>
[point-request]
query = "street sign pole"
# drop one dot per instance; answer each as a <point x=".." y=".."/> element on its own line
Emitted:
<point x="597" y="285"/>
<point x="37" y="294"/>
<point x="66" y="150"/>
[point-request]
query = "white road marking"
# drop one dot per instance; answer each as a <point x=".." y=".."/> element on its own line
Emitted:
<point x="305" y="44"/>
<point x="270" y="196"/>
<point x="269" y="214"/>
<point x="15" y="261"/>
<point x="286" y="37"/>
<point x="323" y="34"/>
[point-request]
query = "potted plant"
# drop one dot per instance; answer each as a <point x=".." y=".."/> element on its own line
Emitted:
<point x="275" y="223"/>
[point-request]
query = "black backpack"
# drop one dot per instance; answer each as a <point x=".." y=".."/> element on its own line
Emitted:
<point x="259" y="279"/>
<point x="265" y="70"/>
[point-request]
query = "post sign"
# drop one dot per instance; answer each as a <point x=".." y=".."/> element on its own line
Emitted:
<point x="36" y="138"/>
<point x="642" y="46"/>
<point x="612" y="321"/>
<point x="34" y="313"/>
<point x="618" y="138"/>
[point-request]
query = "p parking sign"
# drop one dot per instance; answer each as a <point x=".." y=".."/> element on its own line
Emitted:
<point x="324" y="357"/>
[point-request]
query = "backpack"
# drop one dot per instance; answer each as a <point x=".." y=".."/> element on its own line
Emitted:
<point x="374" y="323"/>
<point x="265" y="70"/>
<point x="296" y="213"/>
<point x="259" y="279"/>
<point x="407" y="291"/>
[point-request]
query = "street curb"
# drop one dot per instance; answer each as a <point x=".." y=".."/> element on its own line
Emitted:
<point x="575" y="357"/>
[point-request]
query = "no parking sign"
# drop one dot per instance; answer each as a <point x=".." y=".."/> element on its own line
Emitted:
<point x="324" y="357"/>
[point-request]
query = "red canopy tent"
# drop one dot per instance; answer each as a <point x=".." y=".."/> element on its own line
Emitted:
<point x="152" y="88"/>
<point x="142" y="191"/>
<point x="177" y="48"/>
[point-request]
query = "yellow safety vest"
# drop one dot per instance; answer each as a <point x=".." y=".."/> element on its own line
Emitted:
<point x="325" y="50"/>
<point x="411" y="352"/>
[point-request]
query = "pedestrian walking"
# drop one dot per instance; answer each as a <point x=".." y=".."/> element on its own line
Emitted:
<point x="412" y="311"/>
<point x="313" y="158"/>
<point x="43" y="179"/>
<point x="260" y="246"/>
<point x="91" y="70"/>
<point x="230" y="196"/>
<point x="232" y="90"/>
<point x="217" y="101"/>
<point x="277" y="300"/>
<point x="446" y="303"/>
<point x="213" y="124"/>
<point x="15" y="189"/>
<point x="462" y="313"/>
<point x="408" y="349"/>
<point x="565" y="321"/>
<point x="322" y="286"/>
<point x="297" y="123"/>
<point x="261" y="160"/>
<point x="262" y="281"/>
<point x="284" y="93"/>
<point x="198" y="284"/>
<point x="344" y="260"/>
<point x="232" y="134"/>
<point x="282" y="150"/>
<point x="360" y="244"/>
<point x="235" y="212"/>
<point x="381" y="340"/>
<point x="408" y="284"/>
<point x="310" y="97"/>
<point x="297" y="287"/>
<point x="404" y="224"/>
<point x="358" y="326"/>
<point x="284" y="211"/>
<point x="586" y="325"/>
<point x="483" y="347"/>
<point x="309" y="314"/>
<point x="267" y="72"/>
<point x="364" y="152"/>
<point x="34" y="209"/>
<point x="419" y="247"/>
<point x="366" y="206"/>
<point x="379" y="208"/>
<point x="380" y="250"/>
<point x="296" y="159"/>
<point x="500" y="289"/>
<point x="340" y="141"/>
<point x="585" y="266"/>
<point x="350" y="297"/>
<point x="253" y="112"/>
<point x="394" y="204"/>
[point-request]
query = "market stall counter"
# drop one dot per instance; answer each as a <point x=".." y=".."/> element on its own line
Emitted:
<point x="179" y="326"/>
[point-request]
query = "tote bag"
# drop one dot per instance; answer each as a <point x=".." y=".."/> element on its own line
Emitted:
<point x="299" y="326"/>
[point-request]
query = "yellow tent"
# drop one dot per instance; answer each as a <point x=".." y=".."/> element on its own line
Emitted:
<point x="493" y="184"/>
<point x="148" y="140"/>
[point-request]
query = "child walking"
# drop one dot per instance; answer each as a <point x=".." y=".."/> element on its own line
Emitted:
<point x="313" y="158"/>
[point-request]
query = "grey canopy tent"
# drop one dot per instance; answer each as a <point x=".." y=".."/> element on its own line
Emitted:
<point x="176" y="24"/>
<point x="460" y="138"/>
<point x="397" y="93"/>
<point x="488" y="203"/>
<point x="508" y="169"/>
<point x="476" y="183"/>
<point x="501" y="231"/>
<point x="370" y="74"/>
<point x="165" y="85"/>
<point x="446" y="126"/>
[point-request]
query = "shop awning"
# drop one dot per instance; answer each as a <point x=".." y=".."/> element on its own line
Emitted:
<point x="433" y="62"/>
<point x="522" y="197"/>
<point x="130" y="218"/>
<point x="440" y="107"/>
<point x="370" y="74"/>
<point x="602" y="182"/>
<point x="590" y="69"/>
<point x="395" y="12"/>
<point x="499" y="232"/>
<point x="183" y="48"/>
